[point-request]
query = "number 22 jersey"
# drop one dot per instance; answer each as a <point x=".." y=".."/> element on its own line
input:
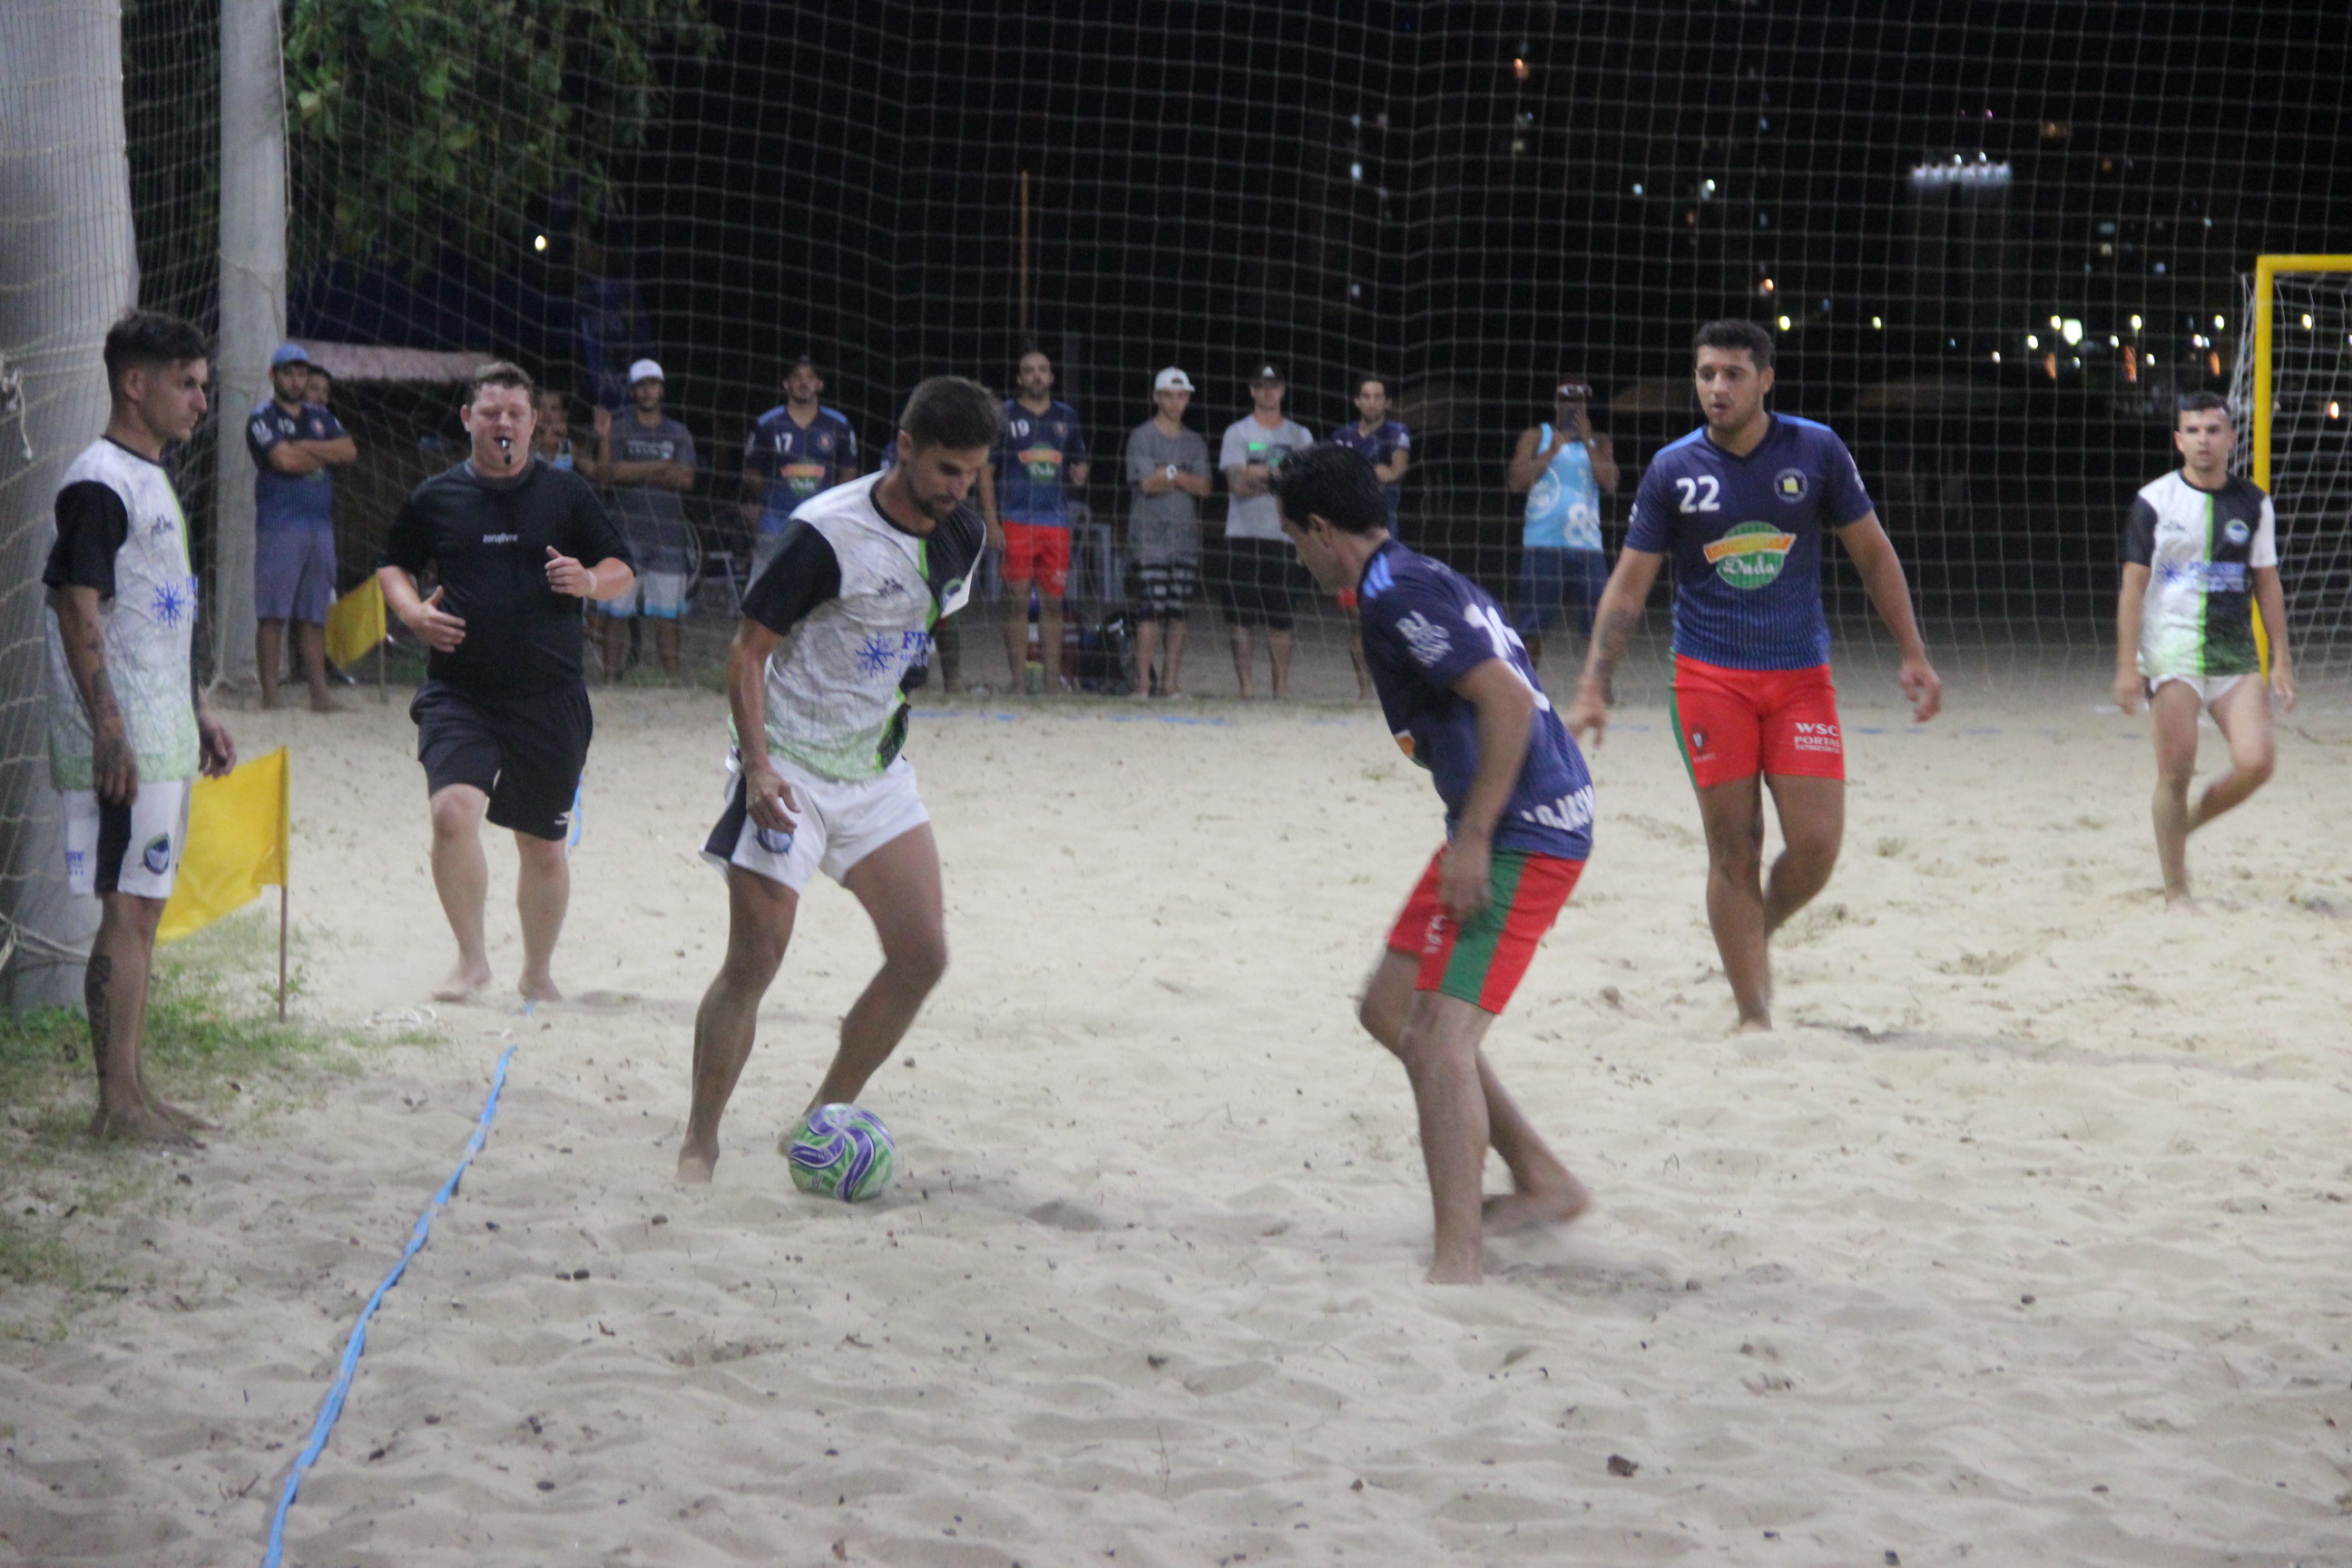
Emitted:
<point x="1426" y="626"/>
<point x="1746" y="538"/>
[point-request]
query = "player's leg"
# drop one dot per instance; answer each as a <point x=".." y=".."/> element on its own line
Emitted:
<point x="542" y="894"/>
<point x="759" y="912"/>
<point x="114" y="991"/>
<point x="270" y="657"/>
<point x="1243" y="657"/>
<point x="1536" y="604"/>
<point x="899" y="884"/>
<point x="1584" y="578"/>
<point x="1439" y="1046"/>
<point x="2172" y="711"/>
<point x="314" y="597"/>
<point x="461" y="876"/>
<point x="1812" y="828"/>
<point x="543" y="747"/>
<point x="2243" y="713"/>
<point x="1053" y="591"/>
<point x="1281" y="598"/>
<point x="1732" y="813"/>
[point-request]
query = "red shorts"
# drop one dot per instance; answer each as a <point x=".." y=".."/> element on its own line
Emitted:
<point x="1733" y="724"/>
<point x="1482" y="962"/>
<point x="1035" y="550"/>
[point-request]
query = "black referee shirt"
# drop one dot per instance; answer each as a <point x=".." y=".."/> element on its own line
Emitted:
<point x="488" y="542"/>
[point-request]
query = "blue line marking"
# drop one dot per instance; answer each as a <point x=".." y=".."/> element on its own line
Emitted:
<point x="1163" y="718"/>
<point x="333" y="1408"/>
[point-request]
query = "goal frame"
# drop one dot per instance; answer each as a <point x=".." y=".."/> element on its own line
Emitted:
<point x="2265" y="391"/>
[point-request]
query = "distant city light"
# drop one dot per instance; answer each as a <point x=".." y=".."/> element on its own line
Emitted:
<point x="2334" y="410"/>
<point x="1766" y="288"/>
<point x="1708" y="187"/>
<point x="1784" y="323"/>
<point x="540" y="242"/>
<point x="2072" y="331"/>
<point x="1355" y="171"/>
<point x="2151" y="359"/>
<point x="2135" y="323"/>
<point x="2306" y="321"/>
<point x="2032" y="342"/>
<point x="1996" y="356"/>
<point x="2219" y="323"/>
<point x="1637" y="187"/>
<point x="1519" y="67"/>
<point x="2114" y="341"/>
<point x="1957" y="172"/>
<point x="1877" y="322"/>
<point x="2056" y="322"/>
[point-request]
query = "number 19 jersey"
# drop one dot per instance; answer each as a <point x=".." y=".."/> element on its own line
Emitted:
<point x="1746" y="538"/>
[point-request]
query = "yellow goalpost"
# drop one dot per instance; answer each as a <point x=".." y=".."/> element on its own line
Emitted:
<point x="2264" y="394"/>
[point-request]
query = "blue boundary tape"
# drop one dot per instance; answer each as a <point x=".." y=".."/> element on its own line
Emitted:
<point x="325" y="1426"/>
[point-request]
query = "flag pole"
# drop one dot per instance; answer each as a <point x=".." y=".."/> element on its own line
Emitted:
<point x="282" y="949"/>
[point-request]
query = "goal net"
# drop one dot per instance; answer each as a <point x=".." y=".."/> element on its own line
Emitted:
<point x="2296" y="423"/>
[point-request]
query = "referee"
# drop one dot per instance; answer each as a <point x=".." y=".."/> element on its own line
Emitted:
<point x="502" y="719"/>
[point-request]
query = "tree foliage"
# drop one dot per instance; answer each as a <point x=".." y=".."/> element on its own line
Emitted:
<point x="421" y="125"/>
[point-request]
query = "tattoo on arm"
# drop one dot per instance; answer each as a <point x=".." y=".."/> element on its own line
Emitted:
<point x="1609" y="637"/>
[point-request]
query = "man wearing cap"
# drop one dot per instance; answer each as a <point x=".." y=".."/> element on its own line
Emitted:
<point x="1561" y="467"/>
<point x="1259" y="577"/>
<point x="294" y="443"/>
<point x="648" y="461"/>
<point x="1024" y="498"/>
<point x="797" y="449"/>
<point x="1169" y="466"/>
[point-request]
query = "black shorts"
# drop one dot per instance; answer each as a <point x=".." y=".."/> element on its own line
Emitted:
<point x="1162" y="590"/>
<point x="1261" y="583"/>
<point x="524" y="753"/>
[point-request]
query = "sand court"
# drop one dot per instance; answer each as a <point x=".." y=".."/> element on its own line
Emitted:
<point x="2024" y="1239"/>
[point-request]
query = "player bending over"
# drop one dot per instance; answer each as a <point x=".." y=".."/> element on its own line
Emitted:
<point x="835" y="632"/>
<point x="1462" y="699"/>
<point x="2200" y="556"/>
<point x="1742" y="504"/>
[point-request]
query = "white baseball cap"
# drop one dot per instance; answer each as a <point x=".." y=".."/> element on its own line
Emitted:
<point x="646" y="369"/>
<point x="1171" y="379"/>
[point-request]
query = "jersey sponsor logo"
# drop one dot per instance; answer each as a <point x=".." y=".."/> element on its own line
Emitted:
<point x="804" y="479"/>
<point x="1429" y="641"/>
<point x="1569" y="814"/>
<point x="1750" y="554"/>
<point x="173" y="602"/>
<point x="2237" y="532"/>
<point x="1817" y="737"/>
<point x="157" y="855"/>
<point x="502" y="539"/>
<point x="2205" y="576"/>
<point x="1790" y="485"/>
<point x="1043" y="463"/>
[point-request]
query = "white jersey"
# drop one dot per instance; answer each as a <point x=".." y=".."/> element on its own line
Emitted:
<point x="149" y="626"/>
<point x="854" y="597"/>
<point x="2200" y="548"/>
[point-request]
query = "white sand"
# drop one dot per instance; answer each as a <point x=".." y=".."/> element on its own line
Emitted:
<point x="2025" y="1241"/>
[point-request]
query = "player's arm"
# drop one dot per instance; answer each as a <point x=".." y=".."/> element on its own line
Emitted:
<point x="334" y="451"/>
<point x="1200" y="486"/>
<point x="995" y="524"/>
<point x="2270" y="600"/>
<point x="1526" y="463"/>
<point x="2131" y="609"/>
<point x="1393" y="469"/>
<point x="1882" y="576"/>
<point x="1613" y="622"/>
<point x="1507" y="708"/>
<point x="765" y="794"/>
<point x="83" y="632"/>
<point x="590" y="533"/>
<point x="680" y="472"/>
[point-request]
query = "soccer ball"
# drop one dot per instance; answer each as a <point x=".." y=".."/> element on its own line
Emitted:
<point x="842" y="1151"/>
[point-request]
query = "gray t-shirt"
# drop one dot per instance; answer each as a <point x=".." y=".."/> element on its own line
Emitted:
<point x="1247" y="441"/>
<point x="1165" y="527"/>
<point x="651" y="519"/>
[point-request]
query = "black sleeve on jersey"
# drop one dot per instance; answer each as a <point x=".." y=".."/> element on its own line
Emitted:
<point x="92" y="523"/>
<point x="589" y="534"/>
<point x="2139" y="533"/>
<point x="409" y="543"/>
<point x="805" y="574"/>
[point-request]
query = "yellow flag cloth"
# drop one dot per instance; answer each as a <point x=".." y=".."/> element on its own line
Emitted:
<point x="237" y="845"/>
<point x="355" y="624"/>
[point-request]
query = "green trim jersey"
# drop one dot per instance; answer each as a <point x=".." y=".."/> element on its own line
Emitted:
<point x="2200" y="548"/>
<point x="855" y="598"/>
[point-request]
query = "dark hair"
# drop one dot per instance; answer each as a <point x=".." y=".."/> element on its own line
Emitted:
<point x="1735" y="334"/>
<point x="1367" y="379"/>
<point x="315" y="368"/>
<point x="1336" y="483"/>
<point x="814" y="369"/>
<point x="951" y="411"/>
<point x="2202" y="403"/>
<point x="500" y="373"/>
<point x="147" y="338"/>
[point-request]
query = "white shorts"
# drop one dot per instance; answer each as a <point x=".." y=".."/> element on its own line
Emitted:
<point x="133" y="849"/>
<point x="2209" y="689"/>
<point x="841" y="823"/>
<point x="662" y="594"/>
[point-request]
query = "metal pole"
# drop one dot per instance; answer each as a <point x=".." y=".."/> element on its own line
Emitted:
<point x="68" y="269"/>
<point x="252" y="300"/>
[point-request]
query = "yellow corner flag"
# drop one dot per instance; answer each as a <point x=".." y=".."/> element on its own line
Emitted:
<point x="355" y="624"/>
<point x="238" y="829"/>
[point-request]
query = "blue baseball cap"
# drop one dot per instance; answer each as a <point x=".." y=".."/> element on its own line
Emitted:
<point x="289" y="353"/>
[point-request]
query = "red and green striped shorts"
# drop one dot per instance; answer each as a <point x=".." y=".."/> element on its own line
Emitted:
<point x="1482" y="962"/>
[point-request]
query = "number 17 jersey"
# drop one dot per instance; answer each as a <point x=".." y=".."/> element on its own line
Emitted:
<point x="1746" y="538"/>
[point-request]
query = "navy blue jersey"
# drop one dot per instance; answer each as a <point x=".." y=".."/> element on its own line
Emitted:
<point x="1378" y="448"/>
<point x="1031" y="452"/>
<point x="1746" y="537"/>
<point x="1425" y="627"/>
<point x="798" y="461"/>
<point x="290" y="500"/>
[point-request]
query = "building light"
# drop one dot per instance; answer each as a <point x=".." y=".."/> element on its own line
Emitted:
<point x="2219" y="325"/>
<point x="1355" y="171"/>
<point x="2135" y="323"/>
<point x="2114" y="341"/>
<point x="2071" y="330"/>
<point x="2334" y="410"/>
<point x="2056" y="322"/>
<point x="2151" y="359"/>
<point x="540" y="242"/>
<point x="1996" y="356"/>
<point x="1784" y="323"/>
<point x="1519" y="67"/>
<point x="1765" y="287"/>
<point x="1637" y="187"/>
<point x="1878" y="323"/>
<point x="2213" y="362"/>
<point x="2032" y="342"/>
<point x="1956" y="173"/>
<point x="1708" y="187"/>
<point x="2306" y="321"/>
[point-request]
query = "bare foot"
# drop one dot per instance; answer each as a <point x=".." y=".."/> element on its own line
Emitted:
<point x="463" y="981"/>
<point x="1468" y="1273"/>
<point x="269" y="700"/>
<point x="695" y="1165"/>
<point x="325" y="705"/>
<point x="185" y="1119"/>
<point x="539" y="988"/>
<point x="2180" y="898"/>
<point x="141" y="1125"/>
<point x="1508" y="1211"/>
<point x="1754" y="1024"/>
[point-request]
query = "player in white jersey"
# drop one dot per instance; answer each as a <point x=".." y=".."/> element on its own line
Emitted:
<point x="2200" y="561"/>
<point x="835" y="632"/>
<point x="129" y="728"/>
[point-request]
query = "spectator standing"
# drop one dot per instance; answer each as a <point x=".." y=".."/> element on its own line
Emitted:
<point x="128" y="727"/>
<point x="1169" y="466"/>
<point x="319" y="387"/>
<point x="648" y="461"/>
<point x="797" y="449"/>
<point x="1024" y="498"/>
<point x="1387" y="445"/>
<point x="294" y="443"/>
<point x="551" y="433"/>
<point x="1259" y="571"/>
<point x="1561" y="467"/>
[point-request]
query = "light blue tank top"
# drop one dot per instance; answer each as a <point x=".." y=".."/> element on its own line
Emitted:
<point x="1564" y="507"/>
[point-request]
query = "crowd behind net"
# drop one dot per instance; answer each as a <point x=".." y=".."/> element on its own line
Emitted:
<point x="1994" y="243"/>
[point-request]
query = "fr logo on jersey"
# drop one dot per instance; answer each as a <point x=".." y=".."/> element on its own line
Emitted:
<point x="1750" y="554"/>
<point x="1790" y="485"/>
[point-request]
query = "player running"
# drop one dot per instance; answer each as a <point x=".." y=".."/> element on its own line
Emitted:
<point x="834" y="633"/>
<point x="1742" y="504"/>
<point x="1462" y="699"/>
<point x="2200" y="556"/>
